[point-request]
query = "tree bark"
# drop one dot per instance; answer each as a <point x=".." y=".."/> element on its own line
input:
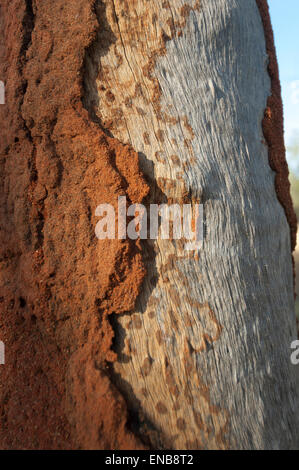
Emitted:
<point x="204" y="361"/>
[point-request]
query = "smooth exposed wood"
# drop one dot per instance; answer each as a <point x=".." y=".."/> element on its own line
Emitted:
<point x="205" y="358"/>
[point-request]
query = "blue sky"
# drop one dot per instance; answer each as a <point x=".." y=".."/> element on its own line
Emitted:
<point x="285" y="22"/>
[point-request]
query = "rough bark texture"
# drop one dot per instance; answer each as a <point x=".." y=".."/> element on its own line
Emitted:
<point x="187" y="85"/>
<point x="273" y="127"/>
<point x="204" y="360"/>
<point x="57" y="283"/>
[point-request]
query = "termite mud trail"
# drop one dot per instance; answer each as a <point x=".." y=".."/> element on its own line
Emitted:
<point x="185" y="84"/>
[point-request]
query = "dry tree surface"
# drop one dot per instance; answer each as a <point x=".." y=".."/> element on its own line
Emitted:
<point x="123" y="344"/>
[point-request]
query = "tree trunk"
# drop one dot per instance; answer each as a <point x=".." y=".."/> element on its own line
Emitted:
<point x="193" y="352"/>
<point x="205" y="358"/>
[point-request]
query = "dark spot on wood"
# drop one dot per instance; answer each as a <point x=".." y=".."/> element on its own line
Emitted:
<point x="159" y="336"/>
<point x="128" y="102"/>
<point x="140" y="111"/>
<point x="174" y="295"/>
<point x="175" y="160"/>
<point x="147" y="365"/>
<point x="161" y="408"/>
<point x="181" y="424"/>
<point x="137" y="323"/>
<point x="110" y="96"/>
<point x="160" y="135"/>
<point x="146" y="138"/>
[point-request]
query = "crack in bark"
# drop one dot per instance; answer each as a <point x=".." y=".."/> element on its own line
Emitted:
<point x="274" y="132"/>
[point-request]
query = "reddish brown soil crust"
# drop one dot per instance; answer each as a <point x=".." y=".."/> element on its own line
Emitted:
<point x="58" y="282"/>
<point x="273" y="128"/>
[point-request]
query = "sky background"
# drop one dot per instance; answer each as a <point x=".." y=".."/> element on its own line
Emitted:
<point x="285" y="22"/>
